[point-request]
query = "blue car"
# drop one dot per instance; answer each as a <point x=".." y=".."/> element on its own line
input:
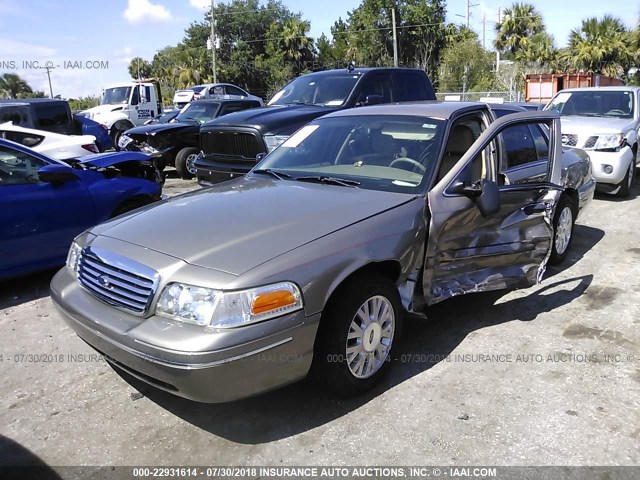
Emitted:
<point x="86" y="126"/>
<point x="46" y="203"/>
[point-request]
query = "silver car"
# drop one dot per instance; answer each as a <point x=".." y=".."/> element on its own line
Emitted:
<point x="211" y="90"/>
<point x="309" y="263"/>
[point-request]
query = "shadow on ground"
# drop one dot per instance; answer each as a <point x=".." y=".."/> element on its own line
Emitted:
<point x="302" y="407"/>
<point x="19" y="463"/>
<point x="25" y="289"/>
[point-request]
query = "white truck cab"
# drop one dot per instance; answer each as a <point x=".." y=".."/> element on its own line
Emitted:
<point x="126" y="105"/>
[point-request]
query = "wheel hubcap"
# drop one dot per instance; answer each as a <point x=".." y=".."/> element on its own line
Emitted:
<point x="563" y="230"/>
<point x="370" y="337"/>
<point x="190" y="163"/>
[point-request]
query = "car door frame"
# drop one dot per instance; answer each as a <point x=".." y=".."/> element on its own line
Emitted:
<point x="468" y="264"/>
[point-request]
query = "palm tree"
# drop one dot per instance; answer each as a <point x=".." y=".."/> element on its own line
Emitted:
<point x="12" y="86"/>
<point x="540" y="54"/>
<point x="600" y="46"/>
<point x="521" y="22"/>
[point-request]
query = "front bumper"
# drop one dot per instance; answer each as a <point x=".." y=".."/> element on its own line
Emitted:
<point x="619" y="161"/>
<point x="245" y="361"/>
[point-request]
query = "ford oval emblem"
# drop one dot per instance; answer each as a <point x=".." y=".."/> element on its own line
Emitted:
<point x="103" y="280"/>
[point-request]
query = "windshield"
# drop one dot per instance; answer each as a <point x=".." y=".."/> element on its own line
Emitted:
<point x="594" y="103"/>
<point x="316" y="90"/>
<point x="198" y="111"/>
<point x="112" y="96"/>
<point x="379" y="152"/>
<point x="197" y="88"/>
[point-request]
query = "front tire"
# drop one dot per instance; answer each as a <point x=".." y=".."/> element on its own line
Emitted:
<point x="627" y="181"/>
<point x="184" y="162"/>
<point x="563" y="225"/>
<point x="359" y="330"/>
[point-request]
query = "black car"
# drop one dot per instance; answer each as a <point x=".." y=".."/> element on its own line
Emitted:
<point x="231" y="144"/>
<point x="178" y="141"/>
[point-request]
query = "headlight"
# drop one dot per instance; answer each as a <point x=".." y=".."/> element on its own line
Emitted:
<point x="218" y="309"/>
<point x="273" y="141"/>
<point x="148" y="149"/>
<point x="609" y="141"/>
<point x="72" y="259"/>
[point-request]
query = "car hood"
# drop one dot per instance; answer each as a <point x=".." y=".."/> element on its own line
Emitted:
<point x="595" y="125"/>
<point x="236" y="226"/>
<point x="159" y="128"/>
<point x="275" y="119"/>
<point x="113" y="158"/>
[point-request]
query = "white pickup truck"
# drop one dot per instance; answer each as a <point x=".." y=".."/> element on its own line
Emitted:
<point x="126" y="105"/>
<point x="605" y="122"/>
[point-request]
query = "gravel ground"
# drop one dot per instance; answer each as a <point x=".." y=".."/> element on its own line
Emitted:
<point x="544" y="376"/>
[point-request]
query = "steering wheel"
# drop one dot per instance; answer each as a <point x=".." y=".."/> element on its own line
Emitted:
<point x="414" y="163"/>
<point x="615" y="111"/>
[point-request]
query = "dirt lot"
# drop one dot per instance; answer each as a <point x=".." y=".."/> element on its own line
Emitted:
<point x="544" y="376"/>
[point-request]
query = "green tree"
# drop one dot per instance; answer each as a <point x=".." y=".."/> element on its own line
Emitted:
<point x="601" y="46"/>
<point x="83" y="103"/>
<point x="540" y="55"/>
<point x="466" y="66"/>
<point x="520" y="23"/>
<point x="139" y="68"/>
<point x="13" y="86"/>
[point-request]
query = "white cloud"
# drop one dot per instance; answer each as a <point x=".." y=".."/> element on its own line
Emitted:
<point x="12" y="49"/>
<point x="143" y="11"/>
<point x="201" y="4"/>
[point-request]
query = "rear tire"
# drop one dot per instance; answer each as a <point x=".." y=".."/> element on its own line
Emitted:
<point x="563" y="225"/>
<point x="359" y="329"/>
<point x="627" y="181"/>
<point x="184" y="160"/>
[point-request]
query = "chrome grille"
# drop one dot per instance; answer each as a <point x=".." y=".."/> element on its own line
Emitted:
<point x="591" y="142"/>
<point x="228" y="143"/>
<point x="116" y="280"/>
<point x="569" y="139"/>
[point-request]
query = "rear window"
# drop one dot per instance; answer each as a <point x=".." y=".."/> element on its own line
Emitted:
<point x="15" y="114"/>
<point x="410" y="86"/>
<point x="53" y="118"/>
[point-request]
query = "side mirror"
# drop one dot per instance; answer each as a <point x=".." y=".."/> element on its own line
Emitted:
<point x="56" y="174"/>
<point x="260" y="156"/>
<point x="486" y="195"/>
<point x="374" y="100"/>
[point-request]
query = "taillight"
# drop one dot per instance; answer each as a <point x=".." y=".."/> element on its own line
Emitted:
<point x="91" y="147"/>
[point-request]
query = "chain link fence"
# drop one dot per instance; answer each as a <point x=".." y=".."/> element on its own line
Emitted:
<point x="489" y="97"/>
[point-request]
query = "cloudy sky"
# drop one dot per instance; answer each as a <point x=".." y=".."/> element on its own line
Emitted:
<point x="73" y="35"/>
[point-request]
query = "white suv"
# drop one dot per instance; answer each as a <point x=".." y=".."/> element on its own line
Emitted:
<point x="604" y="121"/>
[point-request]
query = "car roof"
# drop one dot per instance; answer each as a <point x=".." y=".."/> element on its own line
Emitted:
<point x="616" y="88"/>
<point x="427" y="108"/>
<point x="27" y="101"/>
<point x="225" y="100"/>
<point x="359" y="71"/>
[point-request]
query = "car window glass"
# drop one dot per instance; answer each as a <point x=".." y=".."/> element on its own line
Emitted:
<point x="237" y="107"/>
<point x="376" y="84"/>
<point x="53" y="118"/>
<point x="27" y="139"/>
<point x="408" y="86"/>
<point x="519" y="147"/>
<point x="231" y="90"/>
<point x="18" y="167"/>
<point x="541" y="142"/>
<point x="16" y="115"/>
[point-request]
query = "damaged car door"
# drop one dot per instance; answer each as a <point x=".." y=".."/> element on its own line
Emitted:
<point x="486" y="231"/>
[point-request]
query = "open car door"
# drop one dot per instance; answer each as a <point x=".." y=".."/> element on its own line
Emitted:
<point x="486" y="233"/>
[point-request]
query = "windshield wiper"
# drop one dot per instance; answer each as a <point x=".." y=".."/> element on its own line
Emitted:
<point x="297" y="102"/>
<point x="335" y="181"/>
<point x="274" y="173"/>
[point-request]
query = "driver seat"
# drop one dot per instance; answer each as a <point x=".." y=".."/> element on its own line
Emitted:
<point x="460" y="141"/>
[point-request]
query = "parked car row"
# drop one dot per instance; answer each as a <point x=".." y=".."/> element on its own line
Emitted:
<point x="361" y="215"/>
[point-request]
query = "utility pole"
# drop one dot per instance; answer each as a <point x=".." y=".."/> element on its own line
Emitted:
<point x="469" y="5"/>
<point x="497" y="49"/>
<point x="213" y="40"/>
<point x="395" y="39"/>
<point x="48" y="69"/>
<point x="484" y="20"/>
